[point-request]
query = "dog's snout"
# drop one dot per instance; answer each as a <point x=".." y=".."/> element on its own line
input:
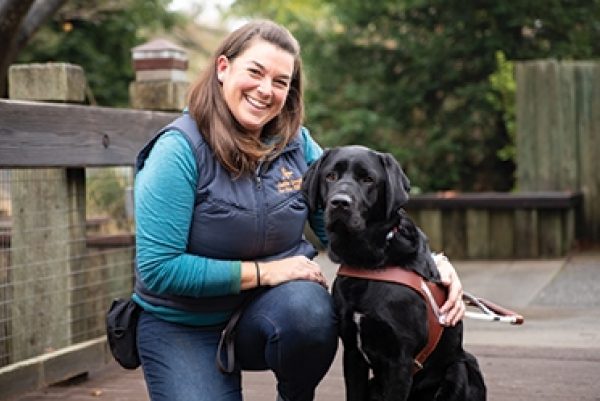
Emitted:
<point x="340" y="201"/>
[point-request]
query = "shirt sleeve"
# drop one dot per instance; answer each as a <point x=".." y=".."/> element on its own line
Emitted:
<point x="312" y="152"/>
<point x="164" y="196"/>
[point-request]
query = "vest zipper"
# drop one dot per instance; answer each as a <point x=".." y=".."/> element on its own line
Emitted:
<point x="260" y="201"/>
<point x="257" y="176"/>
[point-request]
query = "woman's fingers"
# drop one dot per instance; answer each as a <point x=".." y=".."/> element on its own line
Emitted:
<point x="316" y="273"/>
<point x="295" y="268"/>
<point x="454" y="307"/>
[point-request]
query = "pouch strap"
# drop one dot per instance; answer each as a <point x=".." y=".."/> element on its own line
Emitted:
<point x="227" y="339"/>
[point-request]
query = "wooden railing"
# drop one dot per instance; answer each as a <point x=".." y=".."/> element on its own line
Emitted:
<point x="56" y="280"/>
<point x="34" y="134"/>
<point x="499" y="225"/>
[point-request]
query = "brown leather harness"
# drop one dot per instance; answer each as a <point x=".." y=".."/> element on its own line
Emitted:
<point x="433" y="294"/>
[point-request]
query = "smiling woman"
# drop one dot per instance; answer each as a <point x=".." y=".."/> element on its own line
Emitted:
<point x="219" y="231"/>
<point x="249" y="105"/>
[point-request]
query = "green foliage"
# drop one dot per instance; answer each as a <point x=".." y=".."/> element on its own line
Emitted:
<point x="99" y="38"/>
<point x="106" y="194"/>
<point x="429" y="80"/>
<point x="504" y="85"/>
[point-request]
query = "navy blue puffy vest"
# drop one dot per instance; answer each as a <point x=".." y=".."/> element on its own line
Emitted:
<point x="254" y="217"/>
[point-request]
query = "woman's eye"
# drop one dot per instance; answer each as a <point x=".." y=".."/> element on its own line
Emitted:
<point x="281" y="84"/>
<point x="332" y="176"/>
<point x="254" y="71"/>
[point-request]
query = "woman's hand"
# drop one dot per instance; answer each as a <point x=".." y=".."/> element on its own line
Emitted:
<point x="453" y="309"/>
<point x="279" y="271"/>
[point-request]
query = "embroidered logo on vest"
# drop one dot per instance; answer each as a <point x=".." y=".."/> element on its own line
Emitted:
<point x="288" y="183"/>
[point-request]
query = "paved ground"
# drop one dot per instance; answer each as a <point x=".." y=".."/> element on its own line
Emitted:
<point x="554" y="356"/>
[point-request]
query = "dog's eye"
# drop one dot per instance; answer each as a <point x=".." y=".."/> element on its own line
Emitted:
<point x="367" y="180"/>
<point x="331" y="176"/>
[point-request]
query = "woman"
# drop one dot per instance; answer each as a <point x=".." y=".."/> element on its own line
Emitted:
<point x="219" y="225"/>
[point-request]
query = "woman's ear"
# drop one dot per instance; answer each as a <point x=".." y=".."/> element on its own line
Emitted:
<point x="222" y="64"/>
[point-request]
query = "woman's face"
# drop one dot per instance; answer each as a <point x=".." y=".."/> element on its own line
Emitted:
<point x="256" y="83"/>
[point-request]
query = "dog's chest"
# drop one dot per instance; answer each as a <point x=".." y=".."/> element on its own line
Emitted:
<point x="357" y="317"/>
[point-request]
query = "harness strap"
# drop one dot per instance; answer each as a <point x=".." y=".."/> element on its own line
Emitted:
<point x="433" y="294"/>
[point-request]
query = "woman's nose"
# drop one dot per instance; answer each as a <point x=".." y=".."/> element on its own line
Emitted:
<point x="265" y="86"/>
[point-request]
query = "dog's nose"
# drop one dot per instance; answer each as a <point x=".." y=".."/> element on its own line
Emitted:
<point x="340" y="200"/>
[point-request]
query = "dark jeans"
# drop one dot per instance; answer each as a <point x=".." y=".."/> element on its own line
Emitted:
<point x="291" y="329"/>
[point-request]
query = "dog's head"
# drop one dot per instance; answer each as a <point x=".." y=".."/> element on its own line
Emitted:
<point x="356" y="186"/>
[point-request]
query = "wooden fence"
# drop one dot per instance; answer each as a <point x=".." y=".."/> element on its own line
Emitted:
<point x="558" y="132"/>
<point x="56" y="277"/>
<point x="499" y="225"/>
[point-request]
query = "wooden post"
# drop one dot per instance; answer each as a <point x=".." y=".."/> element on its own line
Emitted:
<point x="160" y="78"/>
<point x="48" y="230"/>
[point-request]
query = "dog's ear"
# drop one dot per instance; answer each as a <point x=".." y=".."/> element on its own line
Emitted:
<point x="411" y="247"/>
<point x="311" y="182"/>
<point x="397" y="184"/>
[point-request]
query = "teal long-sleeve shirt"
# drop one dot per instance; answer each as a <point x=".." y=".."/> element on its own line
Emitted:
<point x="164" y="195"/>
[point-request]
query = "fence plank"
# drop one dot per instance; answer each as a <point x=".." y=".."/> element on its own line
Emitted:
<point x="526" y="233"/>
<point x="431" y="223"/>
<point x="526" y="111"/>
<point x="502" y="237"/>
<point x="588" y="129"/>
<point x="454" y="233"/>
<point x="36" y="134"/>
<point x="564" y="157"/>
<point x="478" y="233"/>
<point x="546" y="123"/>
<point x="551" y="234"/>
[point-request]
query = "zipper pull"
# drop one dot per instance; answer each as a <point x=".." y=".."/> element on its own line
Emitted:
<point x="257" y="176"/>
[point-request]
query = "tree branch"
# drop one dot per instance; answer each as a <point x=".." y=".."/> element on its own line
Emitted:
<point x="12" y="13"/>
<point x="38" y="14"/>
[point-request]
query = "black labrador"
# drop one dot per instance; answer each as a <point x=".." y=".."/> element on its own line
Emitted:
<point x="383" y="325"/>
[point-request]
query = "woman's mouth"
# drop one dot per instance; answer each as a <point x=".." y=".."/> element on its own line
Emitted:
<point x="256" y="103"/>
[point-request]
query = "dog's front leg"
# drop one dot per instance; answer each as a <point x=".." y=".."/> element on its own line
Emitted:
<point x="394" y="380"/>
<point x="356" y="375"/>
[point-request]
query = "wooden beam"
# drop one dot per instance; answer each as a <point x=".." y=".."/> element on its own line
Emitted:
<point x="34" y="134"/>
<point x="496" y="200"/>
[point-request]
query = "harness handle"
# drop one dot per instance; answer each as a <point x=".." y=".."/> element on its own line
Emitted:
<point x="490" y="311"/>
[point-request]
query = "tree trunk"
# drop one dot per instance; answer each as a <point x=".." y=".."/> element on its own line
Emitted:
<point x="20" y="19"/>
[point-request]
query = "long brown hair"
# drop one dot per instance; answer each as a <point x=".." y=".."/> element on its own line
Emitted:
<point x="238" y="151"/>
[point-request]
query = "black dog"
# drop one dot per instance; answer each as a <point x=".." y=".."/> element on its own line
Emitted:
<point x="383" y="325"/>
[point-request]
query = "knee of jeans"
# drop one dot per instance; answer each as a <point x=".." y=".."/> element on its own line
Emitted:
<point x="310" y="311"/>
